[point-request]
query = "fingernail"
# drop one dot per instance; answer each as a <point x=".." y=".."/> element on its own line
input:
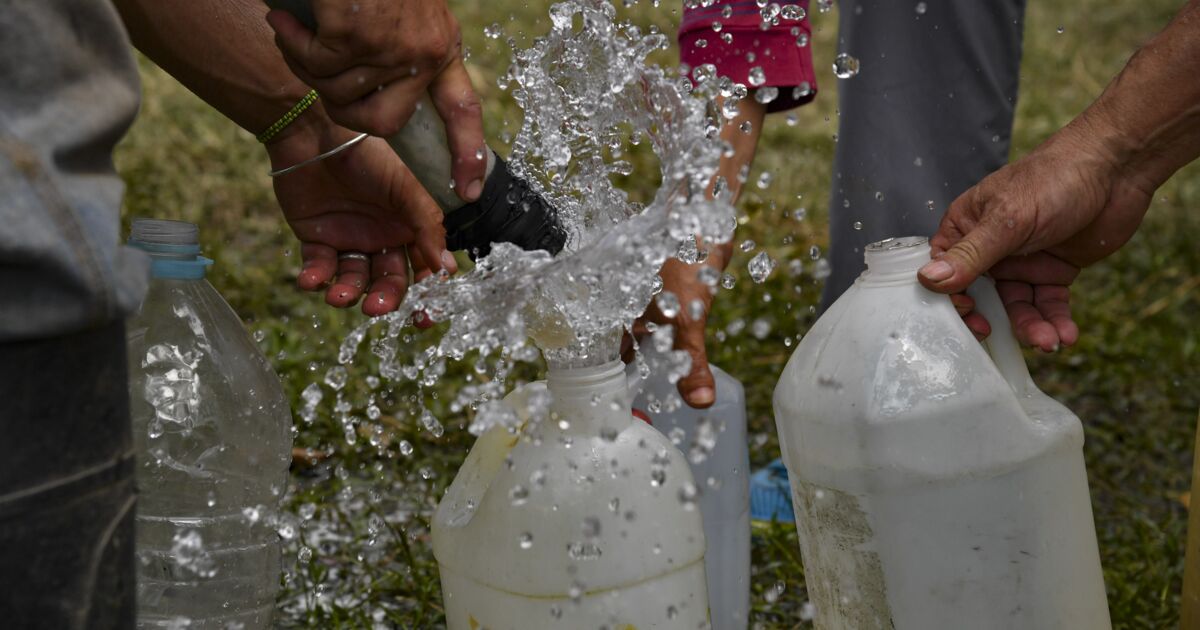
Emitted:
<point x="701" y="396"/>
<point x="937" y="271"/>
<point x="448" y="262"/>
<point x="474" y="189"/>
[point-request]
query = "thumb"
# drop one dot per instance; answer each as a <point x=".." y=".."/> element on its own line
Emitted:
<point x="459" y="107"/>
<point x="698" y="388"/>
<point x="985" y="244"/>
<point x="292" y="37"/>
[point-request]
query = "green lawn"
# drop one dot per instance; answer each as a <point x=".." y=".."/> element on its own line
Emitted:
<point x="363" y="511"/>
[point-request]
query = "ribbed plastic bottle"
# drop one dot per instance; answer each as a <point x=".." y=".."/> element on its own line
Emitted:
<point x="585" y="517"/>
<point x="213" y="431"/>
<point x="934" y="485"/>
<point x="714" y="441"/>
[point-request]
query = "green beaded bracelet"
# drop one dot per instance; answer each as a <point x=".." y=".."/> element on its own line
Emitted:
<point x="289" y="117"/>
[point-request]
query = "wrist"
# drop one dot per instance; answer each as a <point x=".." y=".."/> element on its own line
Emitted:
<point x="311" y="133"/>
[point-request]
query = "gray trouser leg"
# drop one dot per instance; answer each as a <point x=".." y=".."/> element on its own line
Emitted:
<point x="66" y="483"/>
<point x="929" y="115"/>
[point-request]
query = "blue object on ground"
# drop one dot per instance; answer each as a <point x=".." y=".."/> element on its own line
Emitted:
<point x="771" y="494"/>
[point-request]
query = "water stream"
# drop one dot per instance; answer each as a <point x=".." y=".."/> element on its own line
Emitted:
<point x="589" y="97"/>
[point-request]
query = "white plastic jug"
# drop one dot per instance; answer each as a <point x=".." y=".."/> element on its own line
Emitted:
<point x="584" y="518"/>
<point x="213" y="433"/>
<point x="714" y="441"/>
<point x="934" y="485"/>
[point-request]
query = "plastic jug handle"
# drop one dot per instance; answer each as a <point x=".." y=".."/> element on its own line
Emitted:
<point x="1001" y="344"/>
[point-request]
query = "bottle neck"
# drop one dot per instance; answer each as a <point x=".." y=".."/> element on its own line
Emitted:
<point x="590" y="399"/>
<point x="603" y="383"/>
<point x="173" y="246"/>
<point x="895" y="261"/>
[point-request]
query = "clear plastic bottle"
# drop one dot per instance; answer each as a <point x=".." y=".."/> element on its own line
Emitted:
<point x="934" y="485"/>
<point x="583" y="518"/>
<point x="213" y="431"/>
<point x="714" y="441"/>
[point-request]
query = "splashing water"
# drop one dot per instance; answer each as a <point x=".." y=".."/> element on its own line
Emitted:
<point x="589" y="98"/>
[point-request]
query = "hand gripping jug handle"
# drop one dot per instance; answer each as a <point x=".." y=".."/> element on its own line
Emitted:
<point x="1001" y="345"/>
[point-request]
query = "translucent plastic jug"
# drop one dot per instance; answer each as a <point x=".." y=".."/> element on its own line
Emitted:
<point x="584" y="518"/>
<point x="714" y="441"/>
<point x="934" y="485"/>
<point x="213" y="432"/>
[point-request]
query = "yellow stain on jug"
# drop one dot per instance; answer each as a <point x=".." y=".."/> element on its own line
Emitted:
<point x="472" y="622"/>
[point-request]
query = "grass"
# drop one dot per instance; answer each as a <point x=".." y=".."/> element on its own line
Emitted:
<point x="359" y="535"/>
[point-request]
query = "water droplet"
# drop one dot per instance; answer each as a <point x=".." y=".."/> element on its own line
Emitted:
<point x="432" y="424"/>
<point x="304" y="554"/>
<point x="792" y="12"/>
<point x="591" y="527"/>
<point x="920" y="8"/>
<point x="668" y="304"/>
<point x="764" y="95"/>
<point x="336" y="377"/>
<point x="824" y="6"/>
<point x="494" y="31"/>
<point x="406" y="448"/>
<point x="728" y="281"/>
<point x="764" y="180"/>
<point x="769" y="12"/>
<point x="845" y="66"/>
<point x="858" y="225"/>
<point x="518" y="495"/>
<point x="772" y="594"/>
<point x="525" y="541"/>
<point x="747" y="245"/>
<point x="1061" y="30"/>
<point x="760" y="328"/>
<point x="756" y="77"/>
<point x="688" y="495"/>
<point x="760" y="267"/>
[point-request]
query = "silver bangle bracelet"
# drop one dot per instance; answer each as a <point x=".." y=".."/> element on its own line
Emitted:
<point x="330" y="153"/>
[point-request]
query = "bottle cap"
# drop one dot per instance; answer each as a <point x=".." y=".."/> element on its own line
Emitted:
<point x="174" y="248"/>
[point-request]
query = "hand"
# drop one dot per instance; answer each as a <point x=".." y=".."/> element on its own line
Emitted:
<point x="1033" y="225"/>
<point x="372" y="61"/>
<point x="697" y="388"/>
<point x="364" y="200"/>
